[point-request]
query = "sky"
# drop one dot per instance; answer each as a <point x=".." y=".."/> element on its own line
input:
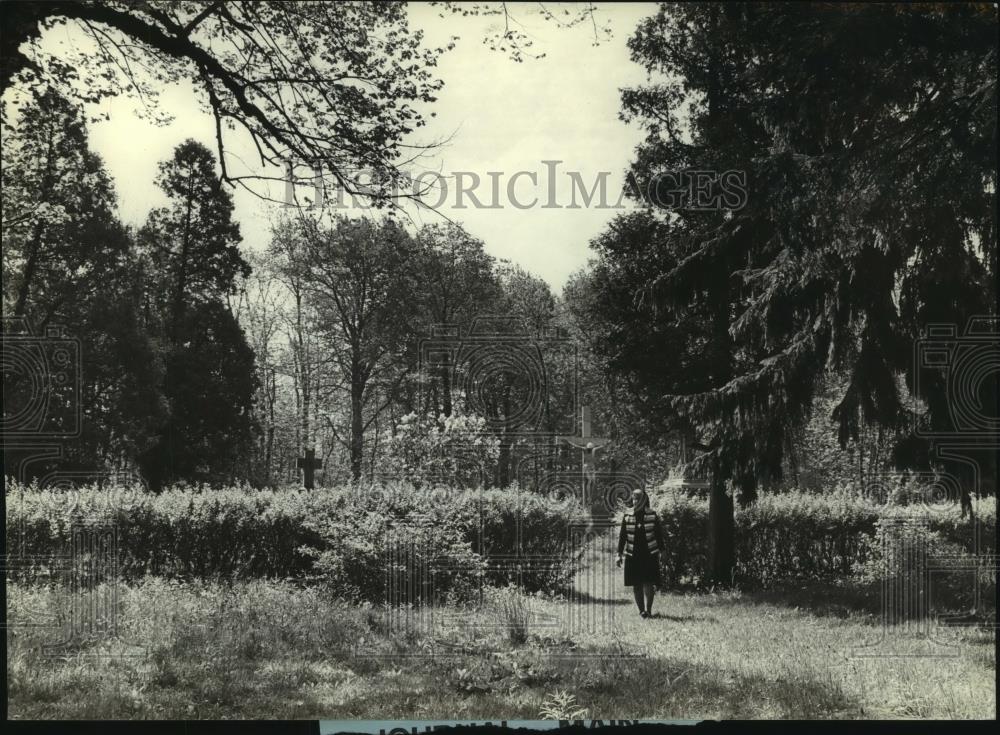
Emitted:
<point x="497" y="115"/>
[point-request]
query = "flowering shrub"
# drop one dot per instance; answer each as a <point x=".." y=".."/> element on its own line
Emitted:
<point x="454" y="451"/>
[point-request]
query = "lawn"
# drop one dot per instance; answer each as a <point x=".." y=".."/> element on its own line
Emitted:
<point x="276" y="650"/>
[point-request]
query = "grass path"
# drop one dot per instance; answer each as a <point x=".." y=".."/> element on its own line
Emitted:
<point x="273" y="650"/>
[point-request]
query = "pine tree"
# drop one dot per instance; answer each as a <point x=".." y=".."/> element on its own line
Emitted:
<point x="193" y="264"/>
<point x="868" y="138"/>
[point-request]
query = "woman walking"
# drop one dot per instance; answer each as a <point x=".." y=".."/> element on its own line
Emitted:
<point x="641" y="540"/>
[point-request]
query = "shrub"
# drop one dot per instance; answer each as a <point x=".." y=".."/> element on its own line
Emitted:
<point x="340" y="534"/>
<point x="796" y="535"/>
<point x="512" y="611"/>
<point x="684" y="520"/>
<point x="337" y="534"/>
<point x="939" y="575"/>
<point x="184" y="532"/>
<point x="542" y="532"/>
<point x="400" y="560"/>
<point x="452" y="451"/>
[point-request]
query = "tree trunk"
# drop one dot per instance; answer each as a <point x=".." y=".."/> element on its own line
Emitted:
<point x="29" y="273"/>
<point x="503" y="463"/>
<point x="503" y="470"/>
<point x="357" y="423"/>
<point x="721" y="531"/>
<point x="304" y="378"/>
<point x="269" y="447"/>
<point x="720" y="506"/>
<point x="180" y="287"/>
<point x="446" y="386"/>
<point x="34" y="254"/>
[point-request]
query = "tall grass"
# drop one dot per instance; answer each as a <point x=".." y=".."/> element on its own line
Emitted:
<point x="266" y="649"/>
<point x="512" y="610"/>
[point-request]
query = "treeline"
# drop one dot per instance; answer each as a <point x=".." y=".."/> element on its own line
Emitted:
<point x="383" y="351"/>
<point x="158" y="376"/>
<point x="390" y="353"/>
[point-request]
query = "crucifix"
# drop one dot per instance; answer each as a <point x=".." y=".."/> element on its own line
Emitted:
<point x="309" y="464"/>
<point x="587" y="445"/>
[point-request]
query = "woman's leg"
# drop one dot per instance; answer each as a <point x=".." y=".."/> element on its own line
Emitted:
<point x="650" y="592"/>
<point x="637" y="591"/>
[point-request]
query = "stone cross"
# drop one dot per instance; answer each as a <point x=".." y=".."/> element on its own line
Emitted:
<point x="587" y="445"/>
<point x="309" y="464"/>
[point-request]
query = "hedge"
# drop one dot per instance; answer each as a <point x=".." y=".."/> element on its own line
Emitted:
<point x="292" y="534"/>
<point x="796" y="535"/>
<point x="339" y="535"/>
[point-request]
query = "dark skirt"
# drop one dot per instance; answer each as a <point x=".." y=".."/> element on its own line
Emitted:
<point x="642" y="567"/>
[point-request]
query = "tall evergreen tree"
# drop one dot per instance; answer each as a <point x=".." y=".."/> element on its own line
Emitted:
<point x="194" y="261"/>
<point x="68" y="263"/>
<point x="868" y="136"/>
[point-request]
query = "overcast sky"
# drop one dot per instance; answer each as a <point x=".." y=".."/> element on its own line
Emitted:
<point x="499" y="115"/>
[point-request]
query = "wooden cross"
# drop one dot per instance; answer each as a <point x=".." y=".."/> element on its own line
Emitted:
<point x="587" y="445"/>
<point x="309" y="464"/>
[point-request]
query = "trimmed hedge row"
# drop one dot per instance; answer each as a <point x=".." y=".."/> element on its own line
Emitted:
<point x="804" y="535"/>
<point x="240" y="533"/>
<point x="342" y="535"/>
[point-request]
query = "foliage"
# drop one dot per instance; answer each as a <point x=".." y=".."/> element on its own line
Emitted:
<point x="69" y="265"/>
<point x="193" y="242"/>
<point x="338" y="536"/>
<point x="459" y="283"/>
<point x="512" y="610"/>
<point x="330" y="85"/>
<point x="451" y="450"/>
<point x="562" y="705"/>
<point x="855" y="234"/>
<point x="796" y="535"/>
<point x="192" y="247"/>
<point x="360" y="277"/>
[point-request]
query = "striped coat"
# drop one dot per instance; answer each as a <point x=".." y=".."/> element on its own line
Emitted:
<point x="653" y="532"/>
